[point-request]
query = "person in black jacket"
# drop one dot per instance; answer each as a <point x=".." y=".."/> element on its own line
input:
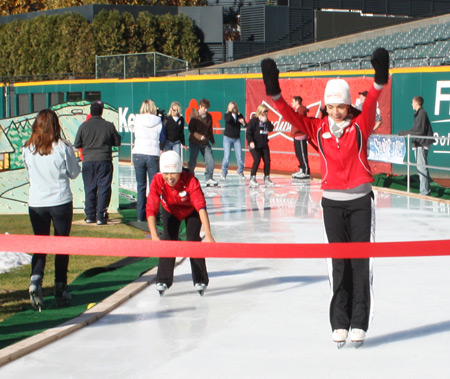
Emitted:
<point x="257" y="135"/>
<point x="96" y="137"/>
<point x="232" y="137"/>
<point x="421" y="127"/>
<point x="174" y="128"/>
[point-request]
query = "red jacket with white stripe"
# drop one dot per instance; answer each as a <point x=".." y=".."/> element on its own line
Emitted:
<point x="343" y="161"/>
<point x="180" y="200"/>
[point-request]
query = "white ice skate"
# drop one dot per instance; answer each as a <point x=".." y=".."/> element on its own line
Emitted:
<point x="161" y="288"/>
<point x="36" y="298"/>
<point x="340" y="337"/>
<point x="201" y="288"/>
<point x="268" y="182"/>
<point x="357" y="336"/>
<point x="253" y="183"/>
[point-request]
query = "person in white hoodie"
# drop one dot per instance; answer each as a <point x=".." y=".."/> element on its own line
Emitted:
<point x="149" y="137"/>
<point x="51" y="163"/>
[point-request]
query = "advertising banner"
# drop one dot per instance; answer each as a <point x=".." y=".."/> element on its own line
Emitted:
<point x="311" y="90"/>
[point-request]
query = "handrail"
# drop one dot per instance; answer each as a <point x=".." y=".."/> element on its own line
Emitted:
<point x="408" y="156"/>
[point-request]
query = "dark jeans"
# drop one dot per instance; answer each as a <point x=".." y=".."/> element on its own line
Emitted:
<point x="351" y="279"/>
<point x="171" y="229"/>
<point x="97" y="178"/>
<point x="145" y="166"/>
<point x="41" y="219"/>
<point x="258" y="153"/>
<point x="301" y="152"/>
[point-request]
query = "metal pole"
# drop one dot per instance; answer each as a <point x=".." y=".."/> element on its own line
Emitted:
<point x="408" y="163"/>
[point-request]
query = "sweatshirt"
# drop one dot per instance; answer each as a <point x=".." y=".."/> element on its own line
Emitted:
<point x="50" y="175"/>
<point x="180" y="200"/>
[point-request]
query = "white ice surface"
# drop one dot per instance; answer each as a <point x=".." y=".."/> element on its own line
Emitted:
<point x="269" y="318"/>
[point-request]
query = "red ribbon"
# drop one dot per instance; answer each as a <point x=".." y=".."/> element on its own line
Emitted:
<point x="148" y="248"/>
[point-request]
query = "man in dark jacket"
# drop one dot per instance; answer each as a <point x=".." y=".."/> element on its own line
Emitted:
<point x="200" y="136"/>
<point x="96" y="137"/>
<point x="421" y="127"/>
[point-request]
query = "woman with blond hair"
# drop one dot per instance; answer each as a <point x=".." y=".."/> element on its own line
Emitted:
<point x="232" y="137"/>
<point x="51" y="163"/>
<point x="148" y="139"/>
<point x="257" y="135"/>
<point x="174" y="129"/>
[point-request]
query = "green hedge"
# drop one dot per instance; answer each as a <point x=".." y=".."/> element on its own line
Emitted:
<point x="69" y="43"/>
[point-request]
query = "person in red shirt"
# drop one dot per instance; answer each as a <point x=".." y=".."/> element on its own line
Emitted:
<point x="180" y="194"/>
<point x="347" y="203"/>
<point x="300" y="142"/>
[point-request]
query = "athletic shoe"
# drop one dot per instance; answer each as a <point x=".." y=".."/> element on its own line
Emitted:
<point x="211" y="183"/>
<point x="357" y="335"/>
<point x="300" y="175"/>
<point x="253" y="183"/>
<point x="102" y="222"/>
<point x="340" y="335"/>
<point x="89" y="221"/>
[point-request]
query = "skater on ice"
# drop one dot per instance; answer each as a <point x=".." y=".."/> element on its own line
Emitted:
<point x="258" y="129"/>
<point x="182" y="198"/>
<point x="347" y="202"/>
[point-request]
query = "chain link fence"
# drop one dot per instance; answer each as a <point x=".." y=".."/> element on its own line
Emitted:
<point x="139" y="65"/>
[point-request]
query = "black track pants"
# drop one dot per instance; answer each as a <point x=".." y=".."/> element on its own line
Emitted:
<point x="350" y="279"/>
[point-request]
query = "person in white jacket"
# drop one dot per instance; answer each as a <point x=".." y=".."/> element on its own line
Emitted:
<point x="148" y="139"/>
<point x="51" y="163"/>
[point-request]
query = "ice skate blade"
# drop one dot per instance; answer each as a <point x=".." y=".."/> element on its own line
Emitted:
<point x="161" y="293"/>
<point x="201" y="288"/>
<point x="340" y="344"/>
<point x="357" y="344"/>
<point x="36" y="303"/>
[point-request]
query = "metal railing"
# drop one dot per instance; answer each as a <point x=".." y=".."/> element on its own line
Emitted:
<point x="408" y="162"/>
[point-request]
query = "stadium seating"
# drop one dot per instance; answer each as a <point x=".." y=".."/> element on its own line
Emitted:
<point x="423" y="46"/>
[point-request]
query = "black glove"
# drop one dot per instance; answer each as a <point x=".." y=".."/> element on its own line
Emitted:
<point x="270" y="76"/>
<point x="380" y="62"/>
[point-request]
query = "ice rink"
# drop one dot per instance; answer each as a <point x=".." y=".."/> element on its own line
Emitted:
<point x="268" y="318"/>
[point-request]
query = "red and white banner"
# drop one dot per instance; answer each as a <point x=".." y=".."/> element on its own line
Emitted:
<point x="311" y="90"/>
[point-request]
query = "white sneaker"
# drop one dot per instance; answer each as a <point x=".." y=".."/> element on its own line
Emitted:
<point x="211" y="183"/>
<point x="300" y="175"/>
<point x="223" y="177"/>
<point x="357" y="335"/>
<point x="340" y="335"/>
<point x="253" y="183"/>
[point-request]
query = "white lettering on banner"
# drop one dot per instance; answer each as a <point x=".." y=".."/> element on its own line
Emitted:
<point x="440" y="97"/>
<point x="126" y="124"/>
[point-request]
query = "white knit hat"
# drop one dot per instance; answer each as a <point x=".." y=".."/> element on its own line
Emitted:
<point x="337" y="91"/>
<point x="170" y="162"/>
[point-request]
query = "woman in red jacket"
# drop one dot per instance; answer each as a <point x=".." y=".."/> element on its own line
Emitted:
<point x="347" y="203"/>
<point x="182" y="198"/>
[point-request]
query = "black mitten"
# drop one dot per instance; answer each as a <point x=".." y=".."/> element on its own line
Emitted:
<point x="270" y="76"/>
<point x="380" y="62"/>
